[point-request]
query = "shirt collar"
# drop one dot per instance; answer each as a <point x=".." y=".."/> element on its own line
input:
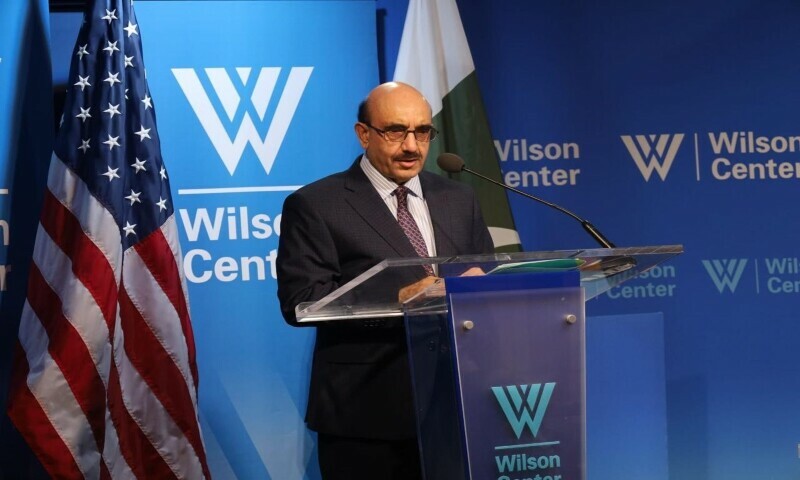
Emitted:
<point x="383" y="185"/>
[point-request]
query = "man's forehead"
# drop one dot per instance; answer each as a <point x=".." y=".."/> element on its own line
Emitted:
<point x="402" y="110"/>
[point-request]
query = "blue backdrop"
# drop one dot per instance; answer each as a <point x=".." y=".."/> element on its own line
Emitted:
<point x="257" y="99"/>
<point x="680" y="121"/>
<point x="26" y="133"/>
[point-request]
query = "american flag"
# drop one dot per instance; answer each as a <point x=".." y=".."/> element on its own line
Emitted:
<point x="105" y="380"/>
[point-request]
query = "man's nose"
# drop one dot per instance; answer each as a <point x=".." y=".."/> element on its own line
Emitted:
<point x="410" y="142"/>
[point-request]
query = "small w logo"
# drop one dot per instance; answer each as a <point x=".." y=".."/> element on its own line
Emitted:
<point x="230" y="151"/>
<point x="725" y="273"/>
<point x="519" y="402"/>
<point x="653" y="152"/>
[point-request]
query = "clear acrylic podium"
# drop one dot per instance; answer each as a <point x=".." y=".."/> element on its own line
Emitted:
<point x="497" y="360"/>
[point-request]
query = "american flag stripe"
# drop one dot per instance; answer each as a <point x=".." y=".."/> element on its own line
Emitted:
<point x="156" y="251"/>
<point x="81" y="312"/>
<point x="80" y="307"/>
<point x="170" y="231"/>
<point x="96" y="221"/>
<point x="154" y="259"/>
<point x="113" y="461"/>
<point x="66" y="191"/>
<point x="149" y="350"/>
<point x="77" y="304"/>
<point x="144" y="460"/>
<point x="134" y="446"/>
<point x="54" y="453"/>
<point x="54" y="397"/>
<point x="95" y="273"/>
<point x="68" y="350"/>
<point x="155" y="422"/>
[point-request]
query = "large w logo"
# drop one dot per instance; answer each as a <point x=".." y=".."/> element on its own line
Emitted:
<point x="725" y="273"/>
<point x="230" y="150"/>
<point x="519" y="402"/>
<point x="653" y="152"/>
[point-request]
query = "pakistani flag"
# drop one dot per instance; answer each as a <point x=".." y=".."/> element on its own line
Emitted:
<point x="434" y="57"/>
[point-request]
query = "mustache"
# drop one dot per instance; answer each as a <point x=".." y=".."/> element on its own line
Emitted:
<point x="408" y="156"/>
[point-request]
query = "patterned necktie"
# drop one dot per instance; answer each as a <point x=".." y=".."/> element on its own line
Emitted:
<point x="409" y="226"/>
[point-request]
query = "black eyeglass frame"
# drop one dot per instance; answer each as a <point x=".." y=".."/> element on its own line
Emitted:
<point x="383" y="133"/>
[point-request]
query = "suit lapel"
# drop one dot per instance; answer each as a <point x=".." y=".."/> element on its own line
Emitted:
<point x="363" y="198"/>
<point x="441" y="217"/>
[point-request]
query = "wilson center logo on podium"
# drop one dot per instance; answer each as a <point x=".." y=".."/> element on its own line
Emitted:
<point x="525" y="407"/>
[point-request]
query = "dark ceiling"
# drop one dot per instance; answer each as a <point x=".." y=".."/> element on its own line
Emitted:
<point x="67" y="5"/>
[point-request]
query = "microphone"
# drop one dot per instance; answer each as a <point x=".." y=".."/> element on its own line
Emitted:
<point x="452" y="163"/>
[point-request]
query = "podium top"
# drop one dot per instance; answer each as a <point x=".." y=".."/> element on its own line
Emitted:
<point x="374" y="293"/>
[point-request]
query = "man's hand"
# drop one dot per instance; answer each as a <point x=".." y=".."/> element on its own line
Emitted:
<point x="410" y="290"/>
<point x="473" y="272"/>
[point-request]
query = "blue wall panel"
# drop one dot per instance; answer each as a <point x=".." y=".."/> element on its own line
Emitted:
<point x="215" y="68"/>
<point x="589" y="74"/>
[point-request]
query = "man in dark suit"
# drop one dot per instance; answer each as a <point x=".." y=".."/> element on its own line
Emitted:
<point x="385" y="205"/>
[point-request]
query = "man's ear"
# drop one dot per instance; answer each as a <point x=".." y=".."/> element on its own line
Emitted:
<point x="362" y="132"/>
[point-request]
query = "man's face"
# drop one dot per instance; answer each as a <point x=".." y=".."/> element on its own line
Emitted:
<point x="398" y="106"/>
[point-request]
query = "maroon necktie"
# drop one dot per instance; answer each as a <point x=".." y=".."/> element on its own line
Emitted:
<point x="409" y="226"/>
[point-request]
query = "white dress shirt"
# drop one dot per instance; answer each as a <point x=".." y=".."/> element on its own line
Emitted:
<point x="416" y="201"/>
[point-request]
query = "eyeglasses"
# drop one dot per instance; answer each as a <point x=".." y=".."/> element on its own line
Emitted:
<point x="398" y="133"/>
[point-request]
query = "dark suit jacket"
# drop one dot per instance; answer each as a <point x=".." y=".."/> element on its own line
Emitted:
<point x="331" y="231"/>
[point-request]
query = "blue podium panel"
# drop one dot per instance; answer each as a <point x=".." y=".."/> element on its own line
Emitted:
<point x="518" y="351"/>
<point x="521" y="382"/>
